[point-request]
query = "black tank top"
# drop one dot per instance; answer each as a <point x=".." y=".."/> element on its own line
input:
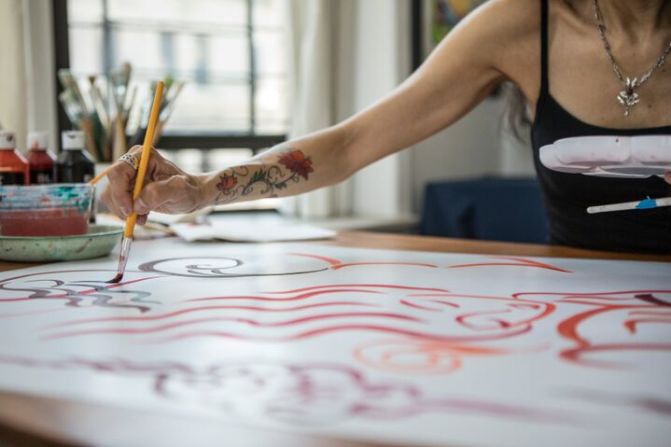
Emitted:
<point x="567" y="196"/>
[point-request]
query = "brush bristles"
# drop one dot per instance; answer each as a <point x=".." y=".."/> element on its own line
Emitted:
<point x="123" y="259"/>
<point x="117" y="279"/>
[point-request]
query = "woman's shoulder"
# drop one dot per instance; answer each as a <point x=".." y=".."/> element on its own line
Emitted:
<point x="510" y="29"/>
<point x="514" y="21"/>
<point x="512" y="17"/>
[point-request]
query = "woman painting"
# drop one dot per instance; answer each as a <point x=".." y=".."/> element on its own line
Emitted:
<point x="583" y="67"/>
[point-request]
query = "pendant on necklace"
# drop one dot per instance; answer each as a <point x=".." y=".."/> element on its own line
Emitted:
<point x="628" y="97"/>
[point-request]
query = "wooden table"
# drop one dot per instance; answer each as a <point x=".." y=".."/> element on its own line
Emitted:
<point x="37" y="421"/>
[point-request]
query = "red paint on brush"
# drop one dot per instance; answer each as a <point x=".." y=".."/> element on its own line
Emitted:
<point x="117" y="279"/>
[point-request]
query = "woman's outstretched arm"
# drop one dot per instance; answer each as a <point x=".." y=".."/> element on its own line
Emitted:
<point x="457" y="76"/>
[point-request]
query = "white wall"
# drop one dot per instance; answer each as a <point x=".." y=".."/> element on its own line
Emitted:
<point x="473" y="147"/>
<point x="27" y="90"/>
<point x="381" y="62"/>
<point x="12" y="70"/>
<point x="40" y="67"/>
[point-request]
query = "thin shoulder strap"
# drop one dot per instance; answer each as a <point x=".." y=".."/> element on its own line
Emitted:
<point x="545" y="85"/>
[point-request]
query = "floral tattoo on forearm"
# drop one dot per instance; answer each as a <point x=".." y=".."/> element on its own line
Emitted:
<point x="293" y="167"/>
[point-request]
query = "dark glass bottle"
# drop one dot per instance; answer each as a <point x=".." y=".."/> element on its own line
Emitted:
<point x="74" y="164"/>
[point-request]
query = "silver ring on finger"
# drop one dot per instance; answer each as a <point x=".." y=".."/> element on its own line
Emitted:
<point x="131" y="159"/>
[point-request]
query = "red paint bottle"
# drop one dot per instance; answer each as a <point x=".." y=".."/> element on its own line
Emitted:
<point x="13" y="165"/>
<point x="40" y="160"/>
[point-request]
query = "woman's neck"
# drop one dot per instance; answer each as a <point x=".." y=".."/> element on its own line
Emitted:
<point x="637" y="19"/>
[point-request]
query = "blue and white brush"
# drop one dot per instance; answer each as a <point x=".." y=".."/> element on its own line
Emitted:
<point x="645" y="204"/>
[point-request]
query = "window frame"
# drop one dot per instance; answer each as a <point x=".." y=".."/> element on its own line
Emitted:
<point x="417" y="32"/>
<point x="202" y="140"/>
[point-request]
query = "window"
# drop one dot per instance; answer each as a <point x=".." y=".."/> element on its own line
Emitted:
<point x="230" y="53"/>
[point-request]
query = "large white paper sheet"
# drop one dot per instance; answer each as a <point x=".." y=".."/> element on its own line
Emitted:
<point x="420" y="348"/>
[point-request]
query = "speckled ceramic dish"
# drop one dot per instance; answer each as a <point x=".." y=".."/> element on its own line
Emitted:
<point x="99" y="241"/>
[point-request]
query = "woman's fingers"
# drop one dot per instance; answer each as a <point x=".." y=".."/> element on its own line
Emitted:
<point x="667" y="177"/>
<point x="166" y="189"/>
<point x="118" y="192"/>
<point x="117" y="195"/>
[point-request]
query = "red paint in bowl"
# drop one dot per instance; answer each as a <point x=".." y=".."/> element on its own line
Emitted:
<point x="44" y="222"/>
<point x="45" y="210"/>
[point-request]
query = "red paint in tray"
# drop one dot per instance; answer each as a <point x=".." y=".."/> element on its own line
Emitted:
<point x="44" y="222"/>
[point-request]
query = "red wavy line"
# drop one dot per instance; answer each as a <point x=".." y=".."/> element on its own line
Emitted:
<point x="573" y="355"/>
<point x="589" y="294"/>
<point x="132" y="281"/>
<point x="353" y="327"/>
<point x="461" y="319"/>
<point x="417" y="306"/>
<point x="586" y="302"/>
<point x="409" y="264"/>
<point x="337" y="264"/>
<point x="521" y="262"/>
<point x="549" y="307"/>
<point x="446" y="303"/>
<point x="631" y="325"/>
<point x="651" y="312"/>
<point x="321" y="258"/>
<point x="524" y="305"/>
<point x="610" y="299"/>
<point x="291" y="298"/>
<point x="650" y="298"/>
<point x="569" y="328"/>
<point x="459" y="295"/>
<point x="208" y="308"/>
<point x="248" y="321"/>
<point x="381" y="286"/>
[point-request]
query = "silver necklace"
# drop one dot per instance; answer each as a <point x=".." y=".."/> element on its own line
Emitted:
<point x="627" y="97"/>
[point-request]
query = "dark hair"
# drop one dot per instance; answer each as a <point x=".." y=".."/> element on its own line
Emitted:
<point x="516" y="117"/>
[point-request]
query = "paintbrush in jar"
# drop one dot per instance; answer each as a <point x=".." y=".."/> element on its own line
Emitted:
<point x="139" y="182"/>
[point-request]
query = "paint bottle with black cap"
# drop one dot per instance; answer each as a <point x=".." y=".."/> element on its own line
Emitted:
<point x="13" y="165"/>
<point x="74" y="164"/>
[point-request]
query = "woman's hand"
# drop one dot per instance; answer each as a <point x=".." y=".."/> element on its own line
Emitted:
<point x="667" y="177"/>
<point x="167" y="189"/>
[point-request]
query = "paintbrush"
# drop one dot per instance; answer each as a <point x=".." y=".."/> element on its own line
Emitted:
<point x="70" y="83"/>
<point x="130" y="102"/>
<point x="144" y="113"/>
<point x="169" y="106"/>
<point x="73" y="99"/>
<point x="139" y="182"/>
<point x="98" y="102"/>
<point x="72" y="108"/>
<point x="645" y="204"/>
<point x="120" y="80"/>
